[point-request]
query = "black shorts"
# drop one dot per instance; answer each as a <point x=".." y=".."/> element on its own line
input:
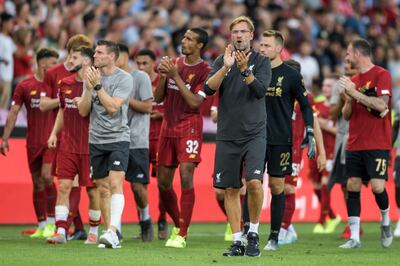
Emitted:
<point x="138" y="166"/>
<point x="279" y="160"/>
<point x="396" y="174"/>
<point x="338" y="173"/>
<point x="367" y="164"/>
<point x="108" y="157"/>
<point x="232" y="156"/>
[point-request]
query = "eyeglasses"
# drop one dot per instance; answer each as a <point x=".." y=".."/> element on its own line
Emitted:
<point x="236" y="32"/>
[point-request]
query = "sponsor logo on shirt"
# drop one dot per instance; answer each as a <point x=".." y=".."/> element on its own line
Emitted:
<point x="35" y="103"/>
<point x="69" y="103"/>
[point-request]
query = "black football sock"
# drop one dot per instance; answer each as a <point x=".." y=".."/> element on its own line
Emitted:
<point x="277" y="211"/>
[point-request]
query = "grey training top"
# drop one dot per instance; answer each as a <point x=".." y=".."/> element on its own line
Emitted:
<point x="341" y="124"/>
<point x="241" y="107"/>
<point x="111" y="128"/>
<point x="140" y="122"/>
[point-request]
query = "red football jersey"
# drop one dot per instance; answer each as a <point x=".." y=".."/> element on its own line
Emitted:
<point x="179" y="119"/>
<point x="27" y="92"/>
<point x="75" y="133"/>
<point x="155" y="125"/>
<point x="329" y="138"/>
<point x="366" y="131"/>
<point x="52" y="79"/>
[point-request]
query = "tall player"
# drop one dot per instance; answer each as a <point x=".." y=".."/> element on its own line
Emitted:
<point x="40" y="157"/>
<point x="49" y="102"/>
<point x="287" y="233"/>
<point x="140" y="103"/>
<point x="181" y="89"/>
<point x="286" y="86"/>
<point x="145" y="60"/>
<point x="368" y="109"/>
<point x="73" y="152"/>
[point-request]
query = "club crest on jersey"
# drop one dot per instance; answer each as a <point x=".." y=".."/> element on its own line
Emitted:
<point x="365" y="87"/>
<point x="190" y="77"/>
<point x="33" y="92"/>
<point x="68" y="91"/>
<point x="279" y="82"/>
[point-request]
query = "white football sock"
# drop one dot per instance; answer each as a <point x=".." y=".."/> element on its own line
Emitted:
<point x="354" y="223"/>
<point x="144" y="213"/>
<point x="116" y="209"/>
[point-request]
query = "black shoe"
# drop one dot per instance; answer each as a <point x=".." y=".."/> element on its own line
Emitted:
<point x="78" y="235"/>
<point x="119" y="235"/>
<point x="146" y="230"/>
<point x="162" y="229"/>
<point x="253" y="245"/>
<point x="236" y="249"/>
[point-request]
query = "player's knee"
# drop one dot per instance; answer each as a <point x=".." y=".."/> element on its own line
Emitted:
<point x="353" y="184"/>
<point x="231" y="194"/>
<point x="276" y="187"/>
<point x="138" y="188"/>
<point x="104" y="189"/>
<point x="378" y="188"/>
<point x="219" y="193"/>
<point x="64" y="188"/>
<point x="254" y="185"/>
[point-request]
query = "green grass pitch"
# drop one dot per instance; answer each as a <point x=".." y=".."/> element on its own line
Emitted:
<point x="204" y="247"/>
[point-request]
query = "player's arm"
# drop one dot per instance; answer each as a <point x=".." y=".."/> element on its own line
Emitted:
<point x="144" y="106"/>
<point x="110" y="103"/>
<point x="58" y="125"/>
<point x="326" y="125"/>
<point x="300" y="94"/>
<point x="335" y="110"/>
<point x="395" y="130"/>
<point x="46" y="102"/>
<point x="258" y="81"/>
<point x="85" y="103"/>
<point x="9" y="127"/>
<point x="347" y="107"/>
<point x="379" y="104"/>
<point x="321" y="160"/>
<point x="160" y="91"/>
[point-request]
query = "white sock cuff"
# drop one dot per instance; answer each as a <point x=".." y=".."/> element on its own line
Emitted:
<point x="385" y="211"/>
<point x="94" y="215"/>
<point x="61" y="212"/>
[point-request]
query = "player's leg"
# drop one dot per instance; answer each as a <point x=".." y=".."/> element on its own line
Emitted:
<point x="51" y="191"/>
<point x="138" y="175"/>
<point x="254" y="161"/>
<point x="162" y="219"/>
<point x="167" y="163"/>
<point x="39" y="203"/>
<point x="354" y="171"/>
<point x="227" y="176"/>
<point x="287" y="236"/>
<point x="333" y="220"/>
<point x="66" y="171"/>
<point x="117" y="166"/>
<point x="279" y="165"/>
<point x="74" y="215"/>
<point x="94" y="214"/>
<point x="377" y="163"/>
<point x="397" y="193"/>
<point x="187" y="197"/>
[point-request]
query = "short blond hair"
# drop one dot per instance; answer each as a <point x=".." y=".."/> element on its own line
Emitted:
<point x="242" y="19"/>
<point x="278" y="36"/>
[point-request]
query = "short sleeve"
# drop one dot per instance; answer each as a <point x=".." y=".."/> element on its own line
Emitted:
<point x="18" y="97"/>
<point x="124" y="88"/>
<point x="199" y="89"/>
<point x="145" y="88"/>
<point x="61" y="96"/>
<point x="384" y="84"/>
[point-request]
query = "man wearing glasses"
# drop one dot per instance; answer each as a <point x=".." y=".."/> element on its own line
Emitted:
<point x="241" y="76"/>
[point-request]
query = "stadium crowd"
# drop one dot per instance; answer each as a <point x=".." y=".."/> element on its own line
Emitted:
<point x="128" y="35"/>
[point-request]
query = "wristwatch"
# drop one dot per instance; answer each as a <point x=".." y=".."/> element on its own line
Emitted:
<point x="246" y="73"/>
<point x="97" y="87"/>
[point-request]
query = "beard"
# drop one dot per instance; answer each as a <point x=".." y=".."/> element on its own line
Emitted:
<point x="76" y="68"/>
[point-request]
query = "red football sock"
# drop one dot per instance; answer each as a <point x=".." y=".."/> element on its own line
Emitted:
<point x="161" y="208"/>
<point x="39" y="203"/>
<point x="242" y="198"/>
<point x="318" y="193"/>
<point x="221" y="204"/>
<point x="170" y="201"/>
<point x="78" y="224"/>
<point x="187" y="204"/>
<point x="62" y="224"/>
<point x="74" y="198"/>
<point x="51" y="192"/>
<point x="324" y="204"/>
<point x="290" y="206"/>
<point x="331" y="213"/>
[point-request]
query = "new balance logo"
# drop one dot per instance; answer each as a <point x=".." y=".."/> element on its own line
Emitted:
<point x="140" y="176"/>
<point x="116" y="163"/>
<point x="257" y="172"/>
<point x="218" y="178"/>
